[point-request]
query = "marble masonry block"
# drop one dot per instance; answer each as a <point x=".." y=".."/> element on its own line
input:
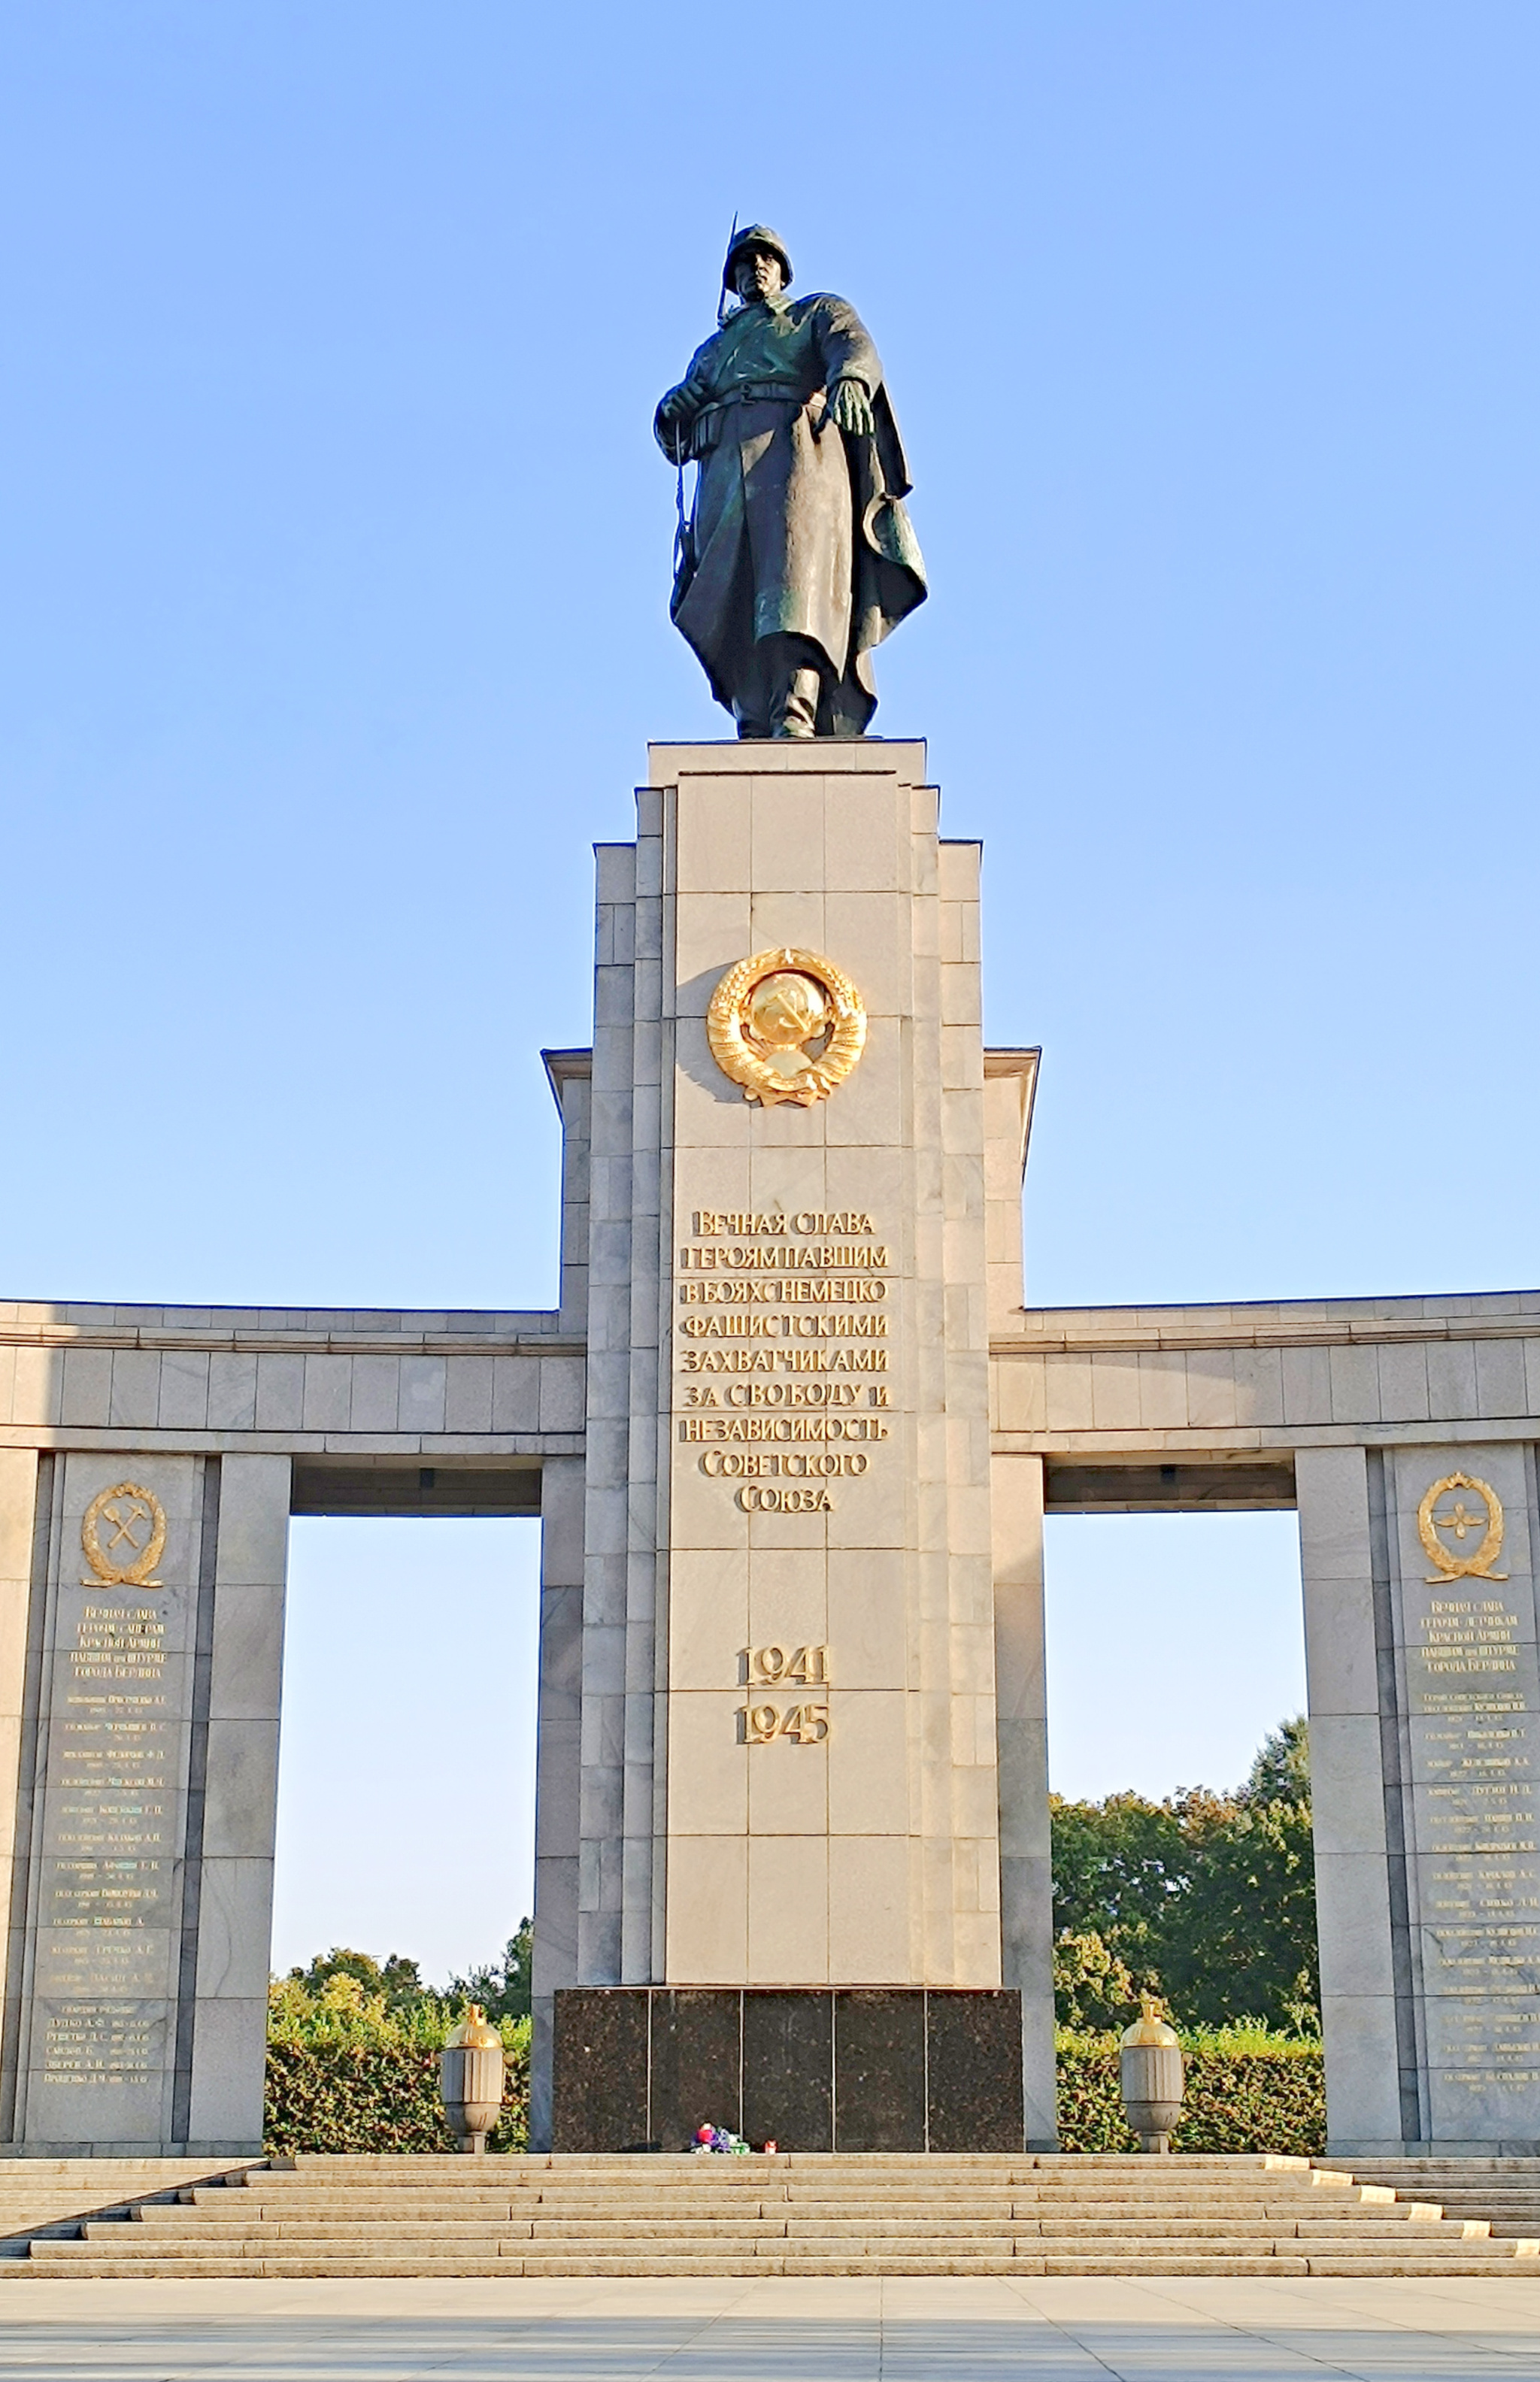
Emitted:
<point x="1115" y="1392"/>
<point x="1333" y="1514"/>
<point x="973" y="2071"/>
<point x="870" y="1766"/>
<point x="712" y="850"/>
<point x="1162" y="1388"/>
<point x="327" y="1400"/>
<point x="241" y="1793"/>
<point x="253" y="1521"/>
<point x="135" y="1396"/>
<point x="1453" y="1394"/>
<point x="1347" y="1782"/>
<point x="235" y="1928"/>
<point x="229" y="2045"/>
<point x="866" y="1624"/>
<point x="1355" y="1384"/>
<point x="1259" y="1387"/>
<point x="232" y="1384"/>
<point x="696" y="2058"/>
<point x="788" y="1782"/>
<point x="714" y="931"/>
<point x="868" y="1909"/>
<point x="788" y="2061"/>
<point x="1353" y="1919"/>
<point x="18" y="1486"/>
<point x="1307" y="1385"/>
<point x="1363" y="2099"/>
<point x="1404" y="1374"/>
<point x="709" y="1764"/>
<point x="864" y="841"/>
<point x="1500" y="1385"/>
<point x="708" y="1911"/>
<point x="37" y="1381"/>
<point x="1023" y="1774"/>
<point x="788" y="1600"/>
<point x="247" y="1669"/>
<point x="280" y="1392"/>
<point x="879" y="2095"/>
<point x="515" y="1394"/>
<point x="709" y="1623"/>
<point x="788" y="1909"/>
<point x="600" y="2069"/>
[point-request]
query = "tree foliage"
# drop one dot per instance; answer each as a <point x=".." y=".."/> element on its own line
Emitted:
<point x="396" y="1981"/>
<point x="348" y="2072"/>
<point x="502" y="1987"/>
<point x="1206" y="1899"/>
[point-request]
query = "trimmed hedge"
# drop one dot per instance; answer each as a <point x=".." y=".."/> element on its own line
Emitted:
<point x="378" y="2097"/>
<point x="353" y="2096"/>
<point x="1234" y="2101"/>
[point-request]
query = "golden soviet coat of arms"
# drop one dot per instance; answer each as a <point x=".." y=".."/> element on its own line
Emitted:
<point x="787" y="1025"/>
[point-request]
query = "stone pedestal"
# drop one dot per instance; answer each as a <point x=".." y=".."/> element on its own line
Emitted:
<point x="870" y="2069"/>
<point x="788" y="1770"/>
<point x="1424" y="1691"/>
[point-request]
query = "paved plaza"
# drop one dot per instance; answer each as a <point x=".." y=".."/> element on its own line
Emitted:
<point x="839" y="2330"/>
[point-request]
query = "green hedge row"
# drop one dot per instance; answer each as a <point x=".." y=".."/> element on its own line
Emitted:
<point x="1234" y="2101"/>
<point x="335" y="2096"/>
<point x="348" y="2097"/>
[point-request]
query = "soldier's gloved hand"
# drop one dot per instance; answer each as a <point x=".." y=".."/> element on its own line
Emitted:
<point x="851" y="407"/>
<point x="672" y="421"/>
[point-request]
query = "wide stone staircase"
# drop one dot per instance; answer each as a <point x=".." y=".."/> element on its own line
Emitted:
<point x="797" y="2214"/>
<point x="1506" y="2192"/>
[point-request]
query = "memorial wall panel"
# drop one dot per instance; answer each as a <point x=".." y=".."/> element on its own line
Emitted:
<point x="106" y="1868"/>
<point x="1470" y="1683"/>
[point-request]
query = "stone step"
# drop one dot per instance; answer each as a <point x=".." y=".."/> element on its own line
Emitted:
<point x="238" y="2207"/>
<point x="134" y="2243"/>
<point x="651" y="2224"/>
<point x="101" y="2239"/>
<point x="1140" y="2262"/>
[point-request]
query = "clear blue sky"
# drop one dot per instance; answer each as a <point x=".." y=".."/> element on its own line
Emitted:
<point x="334" y="559"/>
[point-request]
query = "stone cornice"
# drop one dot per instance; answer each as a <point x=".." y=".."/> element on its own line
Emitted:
<point x="1091" y="1332"/>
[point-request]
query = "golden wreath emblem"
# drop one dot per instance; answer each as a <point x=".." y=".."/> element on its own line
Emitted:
<point x="124" y="1535"/>
<point x="1459" y="1519"/>
<point x="786" y="1024"/>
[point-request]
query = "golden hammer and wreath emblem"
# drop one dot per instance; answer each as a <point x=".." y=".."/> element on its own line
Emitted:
<point x="124" y="1535"/>
<point x="1444" y="1514"/>
<point x="787" y="1025"/>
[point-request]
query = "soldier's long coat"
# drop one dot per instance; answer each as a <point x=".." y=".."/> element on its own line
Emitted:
<point x="796" y="528"/>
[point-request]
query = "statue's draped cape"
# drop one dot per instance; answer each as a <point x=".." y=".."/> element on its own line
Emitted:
<point x="797" y="528"/>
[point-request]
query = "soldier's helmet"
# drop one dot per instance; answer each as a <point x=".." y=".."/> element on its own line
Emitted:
<point x="756" y="236"/>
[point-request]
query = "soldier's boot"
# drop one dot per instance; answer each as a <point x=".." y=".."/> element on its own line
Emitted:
<point x="796" y="712"/>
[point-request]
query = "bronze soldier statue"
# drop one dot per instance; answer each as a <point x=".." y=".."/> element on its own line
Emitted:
<point x="798" y="556"/>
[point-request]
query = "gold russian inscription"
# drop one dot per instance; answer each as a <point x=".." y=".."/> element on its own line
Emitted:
<point x="787" y="1282"/>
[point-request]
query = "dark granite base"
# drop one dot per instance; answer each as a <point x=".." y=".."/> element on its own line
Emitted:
<point x="863" y="2068"/>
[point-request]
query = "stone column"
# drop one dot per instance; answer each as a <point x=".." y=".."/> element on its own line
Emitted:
<point x="558" y="1786"/>
<point x="227" y="1905"/>
<point x="137" y="1975"/>
<point x="1457" y="1638"/>
<point x="1347" y="1693"/>
<point x="1021" y="1730"/>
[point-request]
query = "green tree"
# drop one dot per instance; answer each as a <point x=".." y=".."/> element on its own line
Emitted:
<point x="1240" y="1941"/>
<point x="1093" y="1990"/>
<point x="1117" y="1865"/>
<point x="396" y="1981"/>
<point x="502" y="1987"/>
<point x="1206" y="1899"/>
<point x="1281" y="1771"/>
